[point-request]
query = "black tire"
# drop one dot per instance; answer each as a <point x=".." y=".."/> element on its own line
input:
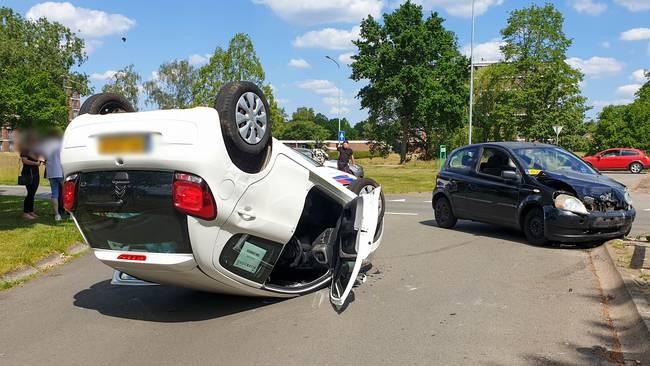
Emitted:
<point x="360" y="186"/>
<point x="444" y="213"/>
<point x="636" y="168"/>
<point x="248" y="150"/>
<point x="106" y="103"/>
<point x="534" y="226"/>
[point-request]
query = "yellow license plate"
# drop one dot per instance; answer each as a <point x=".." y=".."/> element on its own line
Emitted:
<point x="132" y="144"/>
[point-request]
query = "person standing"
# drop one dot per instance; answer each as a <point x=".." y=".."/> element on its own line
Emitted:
<point x="54" y="171"/>
<point x="30" y="171"/>
<point x="346" y="155"/>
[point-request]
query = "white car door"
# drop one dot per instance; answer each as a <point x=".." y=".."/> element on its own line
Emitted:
<point x="355" y="238"/>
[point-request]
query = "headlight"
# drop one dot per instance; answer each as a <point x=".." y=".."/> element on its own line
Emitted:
<point x="628" y="198"/>
<point x="570" y="203"/>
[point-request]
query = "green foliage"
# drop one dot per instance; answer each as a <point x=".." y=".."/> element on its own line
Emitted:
<point x="238" y="62"/>
<point x="534" y="88"/>
<point x="172" y="86"/>
<point x="125" y="82"/>
<point x="417" y="78"/>
<point x="37" y="58"/>
<point x="303" y="130"/>
<point x="624" y="126"/>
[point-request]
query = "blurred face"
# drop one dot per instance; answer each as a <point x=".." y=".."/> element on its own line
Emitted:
<point x="346" y="145"/>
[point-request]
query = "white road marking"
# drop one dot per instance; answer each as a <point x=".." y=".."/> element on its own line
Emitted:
<point x="646" y="209"/>
<point x="429" y="201"/>
<point x="401" y="213"/>
<point x="398" y="200"/>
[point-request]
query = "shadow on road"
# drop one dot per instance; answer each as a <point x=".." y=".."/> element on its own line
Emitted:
<point x="504" y="233"/>
<point x="163" y="304"/>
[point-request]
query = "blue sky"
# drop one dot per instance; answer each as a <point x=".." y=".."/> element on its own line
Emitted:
<point x="611" y="39"/>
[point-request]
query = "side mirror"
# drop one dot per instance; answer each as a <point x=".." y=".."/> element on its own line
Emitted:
<point x="598" y="157"/>
<point x="510" y="175"/>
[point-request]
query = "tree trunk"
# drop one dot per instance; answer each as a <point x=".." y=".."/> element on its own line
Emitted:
<point x="405" y="139"/>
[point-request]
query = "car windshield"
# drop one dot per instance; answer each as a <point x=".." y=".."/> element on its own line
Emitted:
<point x="551" y="159"/>
<point x="303" y="153"/>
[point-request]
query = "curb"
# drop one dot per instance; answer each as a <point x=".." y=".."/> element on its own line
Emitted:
<point x="23" y="273"/>
<point x="628" y="328"/>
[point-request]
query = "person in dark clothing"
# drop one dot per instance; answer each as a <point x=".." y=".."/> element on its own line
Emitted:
<point x="346" y="155"/>
<point x="31" y="163"/>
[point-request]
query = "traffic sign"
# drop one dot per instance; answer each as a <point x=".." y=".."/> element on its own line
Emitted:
<point x="341" y="136"/>
<point x="557" y="129"/>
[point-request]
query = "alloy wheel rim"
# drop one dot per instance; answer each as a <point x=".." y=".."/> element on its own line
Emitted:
<point x="635" y="168"/>
<point x="251" y="118"/>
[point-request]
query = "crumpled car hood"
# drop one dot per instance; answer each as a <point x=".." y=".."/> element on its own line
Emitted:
<point x="586" y="184"/>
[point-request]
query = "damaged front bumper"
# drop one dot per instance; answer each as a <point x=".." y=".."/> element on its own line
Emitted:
<point x="566" y="226"/>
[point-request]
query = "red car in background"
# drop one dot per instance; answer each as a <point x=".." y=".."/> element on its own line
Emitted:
<point x="634" y="160"/>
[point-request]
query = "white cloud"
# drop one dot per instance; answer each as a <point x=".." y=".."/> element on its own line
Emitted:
<point x="605" y="44"/>
<point x="628" y="90"/>
<point x="346" y="58"/>
<point x="335" y="110"/>
<point x="459" y="8"/>
<point x="299" y="63"/>
<point x="599" y="104"/>
<point x="108" y="74"/>
<point x="488" y="51"/>
<point x="596" y="66"/>
<point x="328" y="38"/>
<point x="636" y="34"/>
<point x="312" y="12"/>
<point x="639" y="76"/>
<point x="635" y="5"/>
<point x="87" y="22"/>
<point x="590" y="7"/>
<point x="90" y="45"/>
<point x="320" y="87"/>
<point x="196" y="59"/>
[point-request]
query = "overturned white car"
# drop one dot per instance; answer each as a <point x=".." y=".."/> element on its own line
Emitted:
<point x="205" y="198"/>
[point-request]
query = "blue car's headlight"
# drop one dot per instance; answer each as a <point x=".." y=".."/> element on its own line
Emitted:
<point x="628" y="197"/>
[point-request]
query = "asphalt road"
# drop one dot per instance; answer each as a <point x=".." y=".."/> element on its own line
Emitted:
<point x="473" y="295"/>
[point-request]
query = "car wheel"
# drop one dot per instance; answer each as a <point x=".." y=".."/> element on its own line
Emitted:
<point x="534" y="227"/>
<point x="636" y="168"/>
<point x="366" y="185"/>
<point x="444" y="214"/>
<point x="245" y="124"/>
<point x="106" y="103"/>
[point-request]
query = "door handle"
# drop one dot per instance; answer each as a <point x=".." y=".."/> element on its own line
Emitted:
<point x="246" y="215"/>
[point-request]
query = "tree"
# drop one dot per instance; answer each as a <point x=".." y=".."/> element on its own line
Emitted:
<point x="303" y="130"/>
<point x="37" y="59"/>
<point x="238" y="62"/>
<point x="543" y="89"/>
<point x="125" y="82"/>
<point x="417" y="78"/>
<point x="173" y="85"/>
<point x="625" y="125"/>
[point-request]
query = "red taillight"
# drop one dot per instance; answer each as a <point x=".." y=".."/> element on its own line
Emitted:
<point x="193" y="197"/>
<point x="69" y="193"/>
<point x="132" y="257"/>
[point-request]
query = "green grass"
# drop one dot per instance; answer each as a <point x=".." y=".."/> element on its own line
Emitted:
<point x="10" y="167"/>
<point x="414" y="176"/>
<point x="24" y="242"/>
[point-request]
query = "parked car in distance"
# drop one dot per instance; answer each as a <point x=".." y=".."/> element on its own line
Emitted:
<point x="634" y="160"/>
<point x="355" y="169"/>
<point x="545" y="191"/>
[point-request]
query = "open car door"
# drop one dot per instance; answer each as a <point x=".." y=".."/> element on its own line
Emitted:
<point x="355" y="237"/>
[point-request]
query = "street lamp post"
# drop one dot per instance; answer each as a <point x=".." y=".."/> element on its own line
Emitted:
<point x="471" y="78"/>
<point x="339" y="101"/>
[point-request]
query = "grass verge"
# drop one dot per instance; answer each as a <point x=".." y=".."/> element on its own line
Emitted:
<point x="24" y="242"/>
<point x="414" y="176"/>
<point x="10" y="167"/>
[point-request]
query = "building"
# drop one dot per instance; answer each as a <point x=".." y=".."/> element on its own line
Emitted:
<point x="356" y="145"/>
<point x="6" y="138"/>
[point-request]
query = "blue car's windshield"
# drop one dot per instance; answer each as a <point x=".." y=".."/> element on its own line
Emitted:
<point x="551" y="159"/>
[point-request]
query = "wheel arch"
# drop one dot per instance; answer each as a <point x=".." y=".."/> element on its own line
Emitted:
<point x="525" y="208"/>
<point x="440" y="194"/>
